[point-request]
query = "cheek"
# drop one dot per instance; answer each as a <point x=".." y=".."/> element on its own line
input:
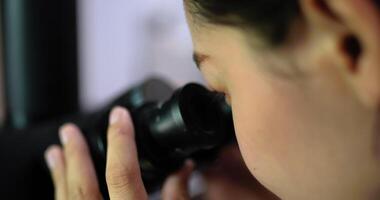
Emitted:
<point x="263" y="123"/>
<point x="266" y="116"/>
<point x="290" y="135"/>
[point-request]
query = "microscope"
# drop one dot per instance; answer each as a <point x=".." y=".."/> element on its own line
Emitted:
<point x="171" y="126"/>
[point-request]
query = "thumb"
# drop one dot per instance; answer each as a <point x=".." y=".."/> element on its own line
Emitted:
<point x="176" y="185"/>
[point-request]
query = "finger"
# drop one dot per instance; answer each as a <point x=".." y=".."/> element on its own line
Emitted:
<point x="122" y="170"/>
<point x="81" y="177"/>
<point x="55" y="162"/>
<point x="176" y="185"/>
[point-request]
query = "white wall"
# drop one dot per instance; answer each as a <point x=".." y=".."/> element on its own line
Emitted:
<point x="124" y="41"/>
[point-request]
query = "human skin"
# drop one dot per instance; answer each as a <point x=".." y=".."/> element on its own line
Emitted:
<point x="306" y="111"/>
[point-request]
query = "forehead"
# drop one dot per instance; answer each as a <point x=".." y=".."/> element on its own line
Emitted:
<point x="206" y="34"/>
<point x="204" y="31"/>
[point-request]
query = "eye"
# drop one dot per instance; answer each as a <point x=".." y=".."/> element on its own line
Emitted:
<point x="227" y="97"/>
<point x="213" y="77"/>
<point x="216" y="86"/>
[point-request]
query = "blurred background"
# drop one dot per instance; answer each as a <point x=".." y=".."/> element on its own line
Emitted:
<point x="63" y="57"/>
<point x="122" y="42"/>
<point x="88" y="50"/>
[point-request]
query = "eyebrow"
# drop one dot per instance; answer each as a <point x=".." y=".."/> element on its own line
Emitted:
<point x="199" y="58"/>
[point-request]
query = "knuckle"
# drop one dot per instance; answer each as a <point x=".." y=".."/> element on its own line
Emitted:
<point x="84" y="192"/>
<point x="121" y="177"/>
<point x="76" y="193"/>
<point x="176" y="196"/>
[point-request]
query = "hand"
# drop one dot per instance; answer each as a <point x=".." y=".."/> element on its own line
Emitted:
<point x="74" y="175"/>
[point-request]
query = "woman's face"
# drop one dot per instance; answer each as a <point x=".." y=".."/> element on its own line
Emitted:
<point x="301" y="130"/>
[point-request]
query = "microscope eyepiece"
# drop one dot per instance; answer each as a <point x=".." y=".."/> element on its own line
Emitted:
<point x="191" y="119"/>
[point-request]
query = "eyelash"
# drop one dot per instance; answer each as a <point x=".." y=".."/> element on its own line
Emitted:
<point x="218" y="90"/>
<point x="213" y="84"/>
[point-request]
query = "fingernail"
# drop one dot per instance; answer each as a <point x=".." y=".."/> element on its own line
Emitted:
<point x="50" y="158"/>
<point x="64" y="133"/>
<point x="117" y="115"/>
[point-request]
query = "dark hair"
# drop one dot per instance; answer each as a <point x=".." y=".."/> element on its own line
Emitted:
<point x="269" y="18"/>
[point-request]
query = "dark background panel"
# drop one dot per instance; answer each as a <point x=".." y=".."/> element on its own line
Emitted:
<point x="40" y="60"/>
<point x="41" y="83"/>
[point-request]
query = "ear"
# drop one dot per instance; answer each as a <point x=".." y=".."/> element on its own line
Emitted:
<point x="353" y="26"/>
